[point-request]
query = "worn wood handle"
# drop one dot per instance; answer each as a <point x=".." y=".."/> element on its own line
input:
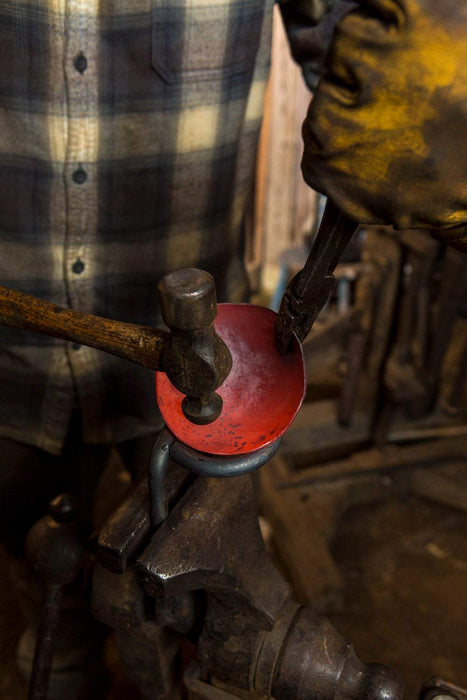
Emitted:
<point x="140" y="344"/>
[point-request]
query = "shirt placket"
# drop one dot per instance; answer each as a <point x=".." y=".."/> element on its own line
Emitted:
<point x="81" y="74"/>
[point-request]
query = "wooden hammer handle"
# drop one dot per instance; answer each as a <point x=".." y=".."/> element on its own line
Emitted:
<point x="140" y="344"/>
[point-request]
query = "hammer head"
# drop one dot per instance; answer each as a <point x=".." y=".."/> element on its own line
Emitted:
<point x="195" y="359"/>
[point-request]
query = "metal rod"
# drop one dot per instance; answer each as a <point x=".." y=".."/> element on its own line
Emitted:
<point x="43" y="654"/>
<point x="220" y="466"/>
<point x="156" y="477"/>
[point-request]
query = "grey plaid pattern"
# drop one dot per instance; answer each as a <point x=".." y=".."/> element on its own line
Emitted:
<point x="128" y="132"/>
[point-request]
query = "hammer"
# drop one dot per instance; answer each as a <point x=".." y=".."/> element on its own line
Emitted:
<point x="195" y="358"/>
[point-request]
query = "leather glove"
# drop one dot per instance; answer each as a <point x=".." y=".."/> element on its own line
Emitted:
<point x="310" y="27"/>
<point x="386" y="133"/>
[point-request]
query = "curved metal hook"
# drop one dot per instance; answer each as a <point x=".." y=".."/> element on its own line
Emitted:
<point x="200" y="463"/>
<point x="156" y="478"/>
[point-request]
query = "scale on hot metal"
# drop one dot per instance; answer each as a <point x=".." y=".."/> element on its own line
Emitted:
<point x="261" y="397"/>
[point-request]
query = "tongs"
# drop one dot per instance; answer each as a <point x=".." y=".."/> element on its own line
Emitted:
<point x="310" y="289"/>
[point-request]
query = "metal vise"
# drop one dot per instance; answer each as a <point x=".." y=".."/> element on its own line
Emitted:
<point x="205" y="574"/>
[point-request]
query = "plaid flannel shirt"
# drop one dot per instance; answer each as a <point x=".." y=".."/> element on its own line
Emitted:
<point x="128" y="133"/>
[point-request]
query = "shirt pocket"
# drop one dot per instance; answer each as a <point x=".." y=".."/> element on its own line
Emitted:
<point x="198" y="40"/>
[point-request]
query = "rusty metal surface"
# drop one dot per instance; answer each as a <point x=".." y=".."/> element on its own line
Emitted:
<point x="127" y="530"/>
<point x="150" y="652"/>
<point x="254" y="640"/>
<point x="212" y="538"/>
<point x="318" y="663"/>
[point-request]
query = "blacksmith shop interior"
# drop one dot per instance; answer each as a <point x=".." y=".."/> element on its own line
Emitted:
<point x="233" y="350"/>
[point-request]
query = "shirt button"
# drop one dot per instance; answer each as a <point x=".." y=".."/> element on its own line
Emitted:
<point x="80" y="62"/>
<point x="78" y="267"/>
<point x="80" y="176"/>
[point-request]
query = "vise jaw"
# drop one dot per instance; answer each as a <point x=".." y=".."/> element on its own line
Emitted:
<point x="205" y="574"/>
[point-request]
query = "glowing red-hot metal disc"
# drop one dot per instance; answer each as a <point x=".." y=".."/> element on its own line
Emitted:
<point x="261" y="395"/>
